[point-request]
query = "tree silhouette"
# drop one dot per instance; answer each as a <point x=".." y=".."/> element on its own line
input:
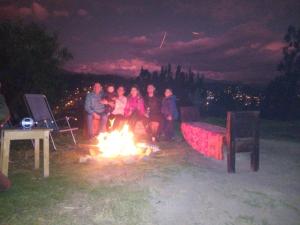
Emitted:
<point x="30" y="61"/>
<point x="282" y="94"/>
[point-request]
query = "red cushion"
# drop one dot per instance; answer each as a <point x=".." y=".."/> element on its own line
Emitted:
<point x="204" y="138"/>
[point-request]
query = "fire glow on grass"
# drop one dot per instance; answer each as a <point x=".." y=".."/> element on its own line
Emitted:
<point x="119" y="143"/>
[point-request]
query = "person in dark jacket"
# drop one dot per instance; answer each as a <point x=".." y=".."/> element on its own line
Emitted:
<point x="153" y="111"/>
<point x="170" y="113"/>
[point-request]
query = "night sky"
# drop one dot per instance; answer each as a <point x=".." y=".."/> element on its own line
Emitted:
<point x="229" y="39"/>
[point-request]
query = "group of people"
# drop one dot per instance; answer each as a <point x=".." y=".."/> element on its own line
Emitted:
<point x="110" y="109"/>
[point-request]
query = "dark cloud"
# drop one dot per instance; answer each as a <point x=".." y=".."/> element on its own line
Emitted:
<point x="223" y="39"/>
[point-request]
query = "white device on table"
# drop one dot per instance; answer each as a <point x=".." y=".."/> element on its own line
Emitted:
<point x="27" y="123"/>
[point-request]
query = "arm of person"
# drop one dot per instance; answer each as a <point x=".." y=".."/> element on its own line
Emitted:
<point x="88" y="104"/>
<point x="173" y="109"/>
<point x="142" y="107"/>
<point x="4" y="121"/>
<point x="127" y="109"/>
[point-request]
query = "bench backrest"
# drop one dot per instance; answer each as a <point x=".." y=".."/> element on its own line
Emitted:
<point x="189" y="114"/>
<point x="242" y="126"/>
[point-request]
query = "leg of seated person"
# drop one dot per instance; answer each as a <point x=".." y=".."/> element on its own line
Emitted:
<point x="96" y="126"/>
<point x="118" y="122"/>
<point x="90" y="125"/>
<point x="110" y="123"/>
<point x="103" y="122"/>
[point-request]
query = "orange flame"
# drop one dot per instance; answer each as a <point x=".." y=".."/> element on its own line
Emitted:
<point x="118" y="143"/>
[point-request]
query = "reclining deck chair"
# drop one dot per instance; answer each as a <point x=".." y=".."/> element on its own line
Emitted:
<point x="38" y="107"/>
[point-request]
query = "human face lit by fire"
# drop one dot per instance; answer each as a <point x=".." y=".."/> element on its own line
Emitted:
<point x="150" y="89"/>
<point x="110" y="89"/>
<point x="121" y="91"/>
<point x="97" y="88"/>
<point x="168" y="93"/>
<point x="134" y="92"/>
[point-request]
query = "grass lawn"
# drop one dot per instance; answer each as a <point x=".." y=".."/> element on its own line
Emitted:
<point x="176" y="186"/>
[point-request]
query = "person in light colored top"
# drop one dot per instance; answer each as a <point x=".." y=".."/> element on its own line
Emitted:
<point x="116" y="119"/>
<point x="121" y="101"/>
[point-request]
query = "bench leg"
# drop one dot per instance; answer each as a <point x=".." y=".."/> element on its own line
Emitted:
<point x="231" y="160"/>
<point x="255" y="158"/>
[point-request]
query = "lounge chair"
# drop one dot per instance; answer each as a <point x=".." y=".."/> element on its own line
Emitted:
<point x="38" y="107"/>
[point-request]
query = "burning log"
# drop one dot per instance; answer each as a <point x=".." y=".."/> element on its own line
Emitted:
<point x="118" y="144"/>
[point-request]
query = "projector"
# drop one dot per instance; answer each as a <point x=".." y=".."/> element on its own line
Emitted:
<point x="27" y="123"/>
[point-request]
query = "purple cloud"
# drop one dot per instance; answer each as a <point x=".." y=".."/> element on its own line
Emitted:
<point x="129" y="67"/>
<point x="39" y="11"/>
<point x="82" y="12"/>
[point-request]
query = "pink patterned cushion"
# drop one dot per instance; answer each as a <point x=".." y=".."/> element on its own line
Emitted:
<point x="205" y="138"/>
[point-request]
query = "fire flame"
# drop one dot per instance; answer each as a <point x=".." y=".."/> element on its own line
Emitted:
<point x="118" y="143"/>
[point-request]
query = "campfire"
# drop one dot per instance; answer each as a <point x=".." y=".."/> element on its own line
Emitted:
<point x="119" y="144"/>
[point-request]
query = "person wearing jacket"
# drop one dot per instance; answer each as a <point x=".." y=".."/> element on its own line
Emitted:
<point x="153" y="108"/>
<point x="135" y="110"/>
<point x="95" y="108"/>
<point x="170" y="113"/>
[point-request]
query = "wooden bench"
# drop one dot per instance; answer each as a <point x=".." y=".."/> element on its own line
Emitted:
<point x="240" y="135"/>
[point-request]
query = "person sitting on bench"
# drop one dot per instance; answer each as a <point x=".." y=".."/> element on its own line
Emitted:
<point x="95" y="108"/>
<point x="135" y="110"/>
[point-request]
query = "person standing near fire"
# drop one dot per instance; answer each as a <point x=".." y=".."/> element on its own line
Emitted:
<point x="170" y="113"/>
<point x="95" y="108"/>
<point x="153" y="108"/>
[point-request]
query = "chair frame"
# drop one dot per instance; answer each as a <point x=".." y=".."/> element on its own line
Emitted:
<point x="242" y="136"/>
<point x="52" y="123"/>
